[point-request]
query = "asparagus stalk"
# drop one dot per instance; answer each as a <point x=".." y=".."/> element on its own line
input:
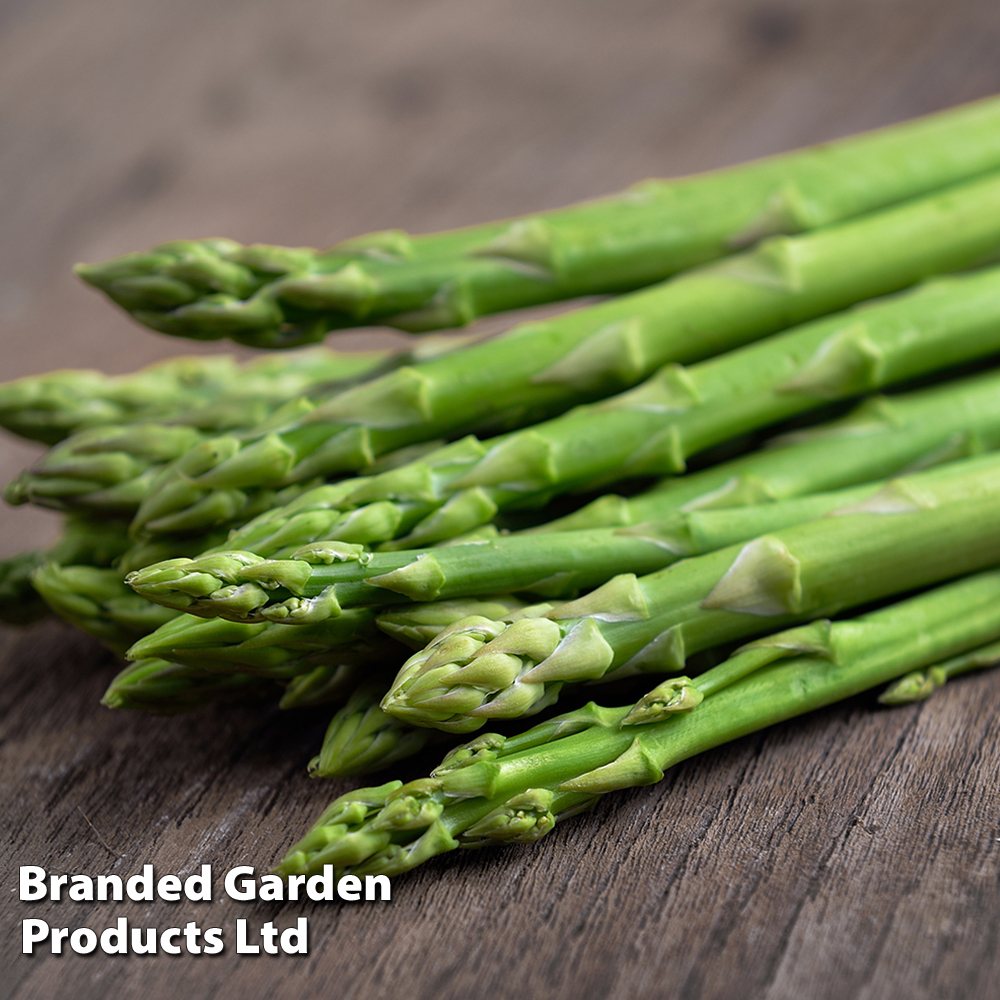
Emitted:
<point x="104" y="469"/>
<point x="93" y="543"/>
<point x="269" y="651"/>
<point x="361" y="738"/>
<point x="75" y="579"/>
<point x="212" y="393"/>
<point x="97" y="601"/>
<point x="513" y="790"/>
<point x="921" y="684"/>
<point x="280" y="652"/>
<point x="882" y="435"/>
<point x="327" y="577"/>
<point x="540" y="369"/>
<point x="163" y="688"/>
<point x="20" y="603"/>
<point x="319" y="580"/>
<point x="278" y="297"/>
<point x="480" y="669"/>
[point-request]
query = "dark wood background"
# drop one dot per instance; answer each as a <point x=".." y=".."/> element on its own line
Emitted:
<point x="854" y="853"/>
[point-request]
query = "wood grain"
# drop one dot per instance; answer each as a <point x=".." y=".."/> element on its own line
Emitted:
<point x="853" y="853"/>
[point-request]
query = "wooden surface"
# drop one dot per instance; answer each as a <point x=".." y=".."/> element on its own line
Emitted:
<point x="854" y="853"/>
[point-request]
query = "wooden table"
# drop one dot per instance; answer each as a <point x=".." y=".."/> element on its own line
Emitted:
<point x="853" y="853"/>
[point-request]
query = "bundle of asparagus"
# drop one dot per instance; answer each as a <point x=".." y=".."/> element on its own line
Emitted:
<point x="210" y="540"/>
<point x="499" y="790"/>
<point x="538" y="370"/>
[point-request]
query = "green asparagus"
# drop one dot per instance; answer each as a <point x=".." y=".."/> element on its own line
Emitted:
<point x="281" y="652"/>
<point x="212" y="393"/>
<point x="361" y="738"/>
<point x="921" y="684"/>
<point x="267" y="651"/>
<point x="163" y="688"/>
<point x="20" y="603"/>
<point x="279" y="297"/>
<point x="93" y="543"/>
<point x="97" y="601"/>
<point x="882" y="435"/>
<point x="479" y="669"/>
<point x="499" y="790"/>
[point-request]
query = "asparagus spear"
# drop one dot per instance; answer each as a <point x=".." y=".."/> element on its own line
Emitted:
<point x="480" y="668"/>
<point x="361" y="738"/>
<point x="75" y="579"/>
<point x="278" y="651"/>
<point x="106" y="469"/>
<point x="901" y="432"/>
<point x="164" y="688"/>
<point x="537" y="370"/>
<point x="921" y="684"/>
<point x="501" y="790"/>
<point x="279" y="297"/>
<point x="319" y="580"/>
<point x="270" y="651"/>
<point x="20" y="603"/>
<point x="93" y="543"/>
<point x="212" y="393"/>
<point x="97" y="601"/>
